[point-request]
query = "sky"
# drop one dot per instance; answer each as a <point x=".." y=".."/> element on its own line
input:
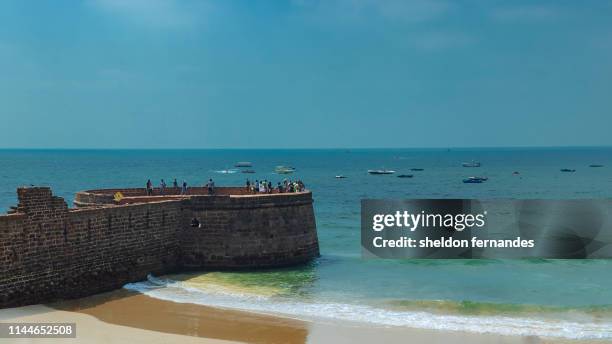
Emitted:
<point x="304" y="73"/>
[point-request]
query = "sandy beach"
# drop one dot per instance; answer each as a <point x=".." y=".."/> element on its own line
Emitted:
<point x="90" y="329"/>
<point x="123" y="316"/>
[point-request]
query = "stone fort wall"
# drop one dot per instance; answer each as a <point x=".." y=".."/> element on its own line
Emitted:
<point x="49" y="251"/>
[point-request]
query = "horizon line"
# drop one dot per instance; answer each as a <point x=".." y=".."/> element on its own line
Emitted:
<point x="300" y="148"/>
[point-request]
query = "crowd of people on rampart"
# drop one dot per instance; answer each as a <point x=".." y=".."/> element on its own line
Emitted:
<point x="163" y="186"/>
<point x="255" y="187"/>
<point x="266" y="186"/>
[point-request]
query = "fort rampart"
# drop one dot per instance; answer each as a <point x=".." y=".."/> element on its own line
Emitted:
<point x="49" y="251"/>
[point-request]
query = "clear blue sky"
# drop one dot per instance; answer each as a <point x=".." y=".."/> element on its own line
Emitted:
<point x="304" y="73"/>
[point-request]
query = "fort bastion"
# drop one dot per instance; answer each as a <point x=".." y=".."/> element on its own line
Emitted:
<point x="50" y="251"/>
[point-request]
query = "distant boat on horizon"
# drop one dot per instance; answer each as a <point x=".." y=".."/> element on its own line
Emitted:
<point x="475" y="180"/>
<point x="383" y="171"/>
<point x="247" y="171"/>
<point x="596" y="165"/>
<point x="243" y="164"/>
<point x="284" y="169"/>
<point x="230" y="171"/>
<point x="567" y="170"/>
<point x="340" y="176"/>
<point x="416" y="169"/>
<point x="471" y="164"/>
<point x="405" y="176"/>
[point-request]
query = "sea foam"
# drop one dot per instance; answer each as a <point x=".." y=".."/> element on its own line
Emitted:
<point x="182" y="292"/>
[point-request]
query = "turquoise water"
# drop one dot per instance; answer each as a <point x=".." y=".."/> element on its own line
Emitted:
<point x="547" y="297"/>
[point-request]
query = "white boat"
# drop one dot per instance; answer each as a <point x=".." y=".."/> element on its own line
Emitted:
<point x="471" y="164"/>
<point x="284" y="169"/>
<point x="482" y="179"/>
<point x="226" y="171"/>
<point x="340" y="176"/>
<point x="383" y="171"/>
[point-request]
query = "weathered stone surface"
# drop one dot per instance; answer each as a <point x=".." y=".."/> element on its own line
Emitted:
<point x="49" y="252"/>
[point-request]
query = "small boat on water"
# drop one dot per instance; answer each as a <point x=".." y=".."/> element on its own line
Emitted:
<point x="226" y="171"/>
<point x="475" y="180"/>
<point x="284" y="169"/>
<point x="247" y="171"/>
<point x="567" y="170"/>
<point x="516" y="173"/>
<point x="384" y="171"/>
<point x="596" y="165"/>
<point x="471" y="164"/>
<point x="416" y="169"/>
<point x="340" y="176"/>
<point x="243" y="164"/>
<point x="405" y="176"/>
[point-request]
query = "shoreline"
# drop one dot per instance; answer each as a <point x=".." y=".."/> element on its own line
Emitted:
<point x="121" y="314"/>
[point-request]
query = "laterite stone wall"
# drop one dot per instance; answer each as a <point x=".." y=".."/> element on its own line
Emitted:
<point x="50" y="252"/>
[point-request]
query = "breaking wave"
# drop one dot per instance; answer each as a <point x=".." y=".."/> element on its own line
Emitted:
<point x="267" y="302"/>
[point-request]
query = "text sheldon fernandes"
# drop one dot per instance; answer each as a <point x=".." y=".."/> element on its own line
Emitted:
<point x="459" y="222"/>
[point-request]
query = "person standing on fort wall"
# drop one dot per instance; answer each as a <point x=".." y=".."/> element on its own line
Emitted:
<point x="184" y="188"/>
<point x="175" y="184"/>
<point x="211" y="187"/>
<point x="149" y="188"/>
<point x="162" y="186"/>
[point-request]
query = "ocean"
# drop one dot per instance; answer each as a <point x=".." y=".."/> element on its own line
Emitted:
<point x="557" y="298"/>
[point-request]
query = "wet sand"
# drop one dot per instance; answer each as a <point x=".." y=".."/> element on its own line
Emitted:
<point x="140" y="311"/>
<point x="124" y="316"/>
<point x="90" y="329"/>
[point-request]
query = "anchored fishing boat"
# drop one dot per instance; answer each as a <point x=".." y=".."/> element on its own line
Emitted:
<point x="284" y="169"/>
<point x="230" y="171"/>
<point x="383" y="171"/>
<point x="471" y="164"/>
<point x="475" y="180"/>
<point x="405" y="176"/>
